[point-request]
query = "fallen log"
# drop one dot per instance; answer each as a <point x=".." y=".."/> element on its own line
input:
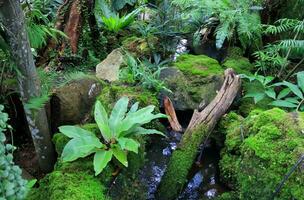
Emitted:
<point x="170" y="111"/>
<point x="200" y="127"/>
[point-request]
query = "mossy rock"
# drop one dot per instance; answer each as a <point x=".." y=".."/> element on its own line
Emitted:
<point x="236" y="61"/>
<point x="260" y="150"/>
<point x="69" y="186"/>
<point x="111" y="93"/>
<point x="139" y="46"/>
<point x="200" y="65"/>
<point x="191" y="80"/>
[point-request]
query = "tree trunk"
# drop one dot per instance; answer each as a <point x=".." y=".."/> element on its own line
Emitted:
<point x="12" y="18"/>
<point x="200" y="127"/>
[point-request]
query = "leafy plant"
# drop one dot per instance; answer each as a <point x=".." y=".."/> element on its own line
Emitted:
<point x="12" y="185"/>
<point x="264" y="90"/>
<point x="293" y="43"/>
<point x="117" y="134"/>
<point x="236" y="20"/>
<point x="39" y="28"/>
<point x="144" y="72"/>
<point x="110" y="19"/>
<point x="283" y="94"/>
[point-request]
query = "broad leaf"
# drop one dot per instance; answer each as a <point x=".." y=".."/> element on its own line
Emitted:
<point x="292" y="100"/>
<point x="101" y="159"/>
<point x="74" y="131"/>
<point x="134" y="108"/>
<point x="101" y="118"/>
<point x="284" y="93"/>
<point x="80" y="147"/>
<point x="129" y="144"/>
<point x="294" y="88"/>
<point x="143" y="131"/>
<point x="271" y="93"/>
<point x="300" y="78"/>
<point x="257" y="96"/>
<point x="285" y="104"/>
<point x="118" y="114"/>
<point x="139" y="118"/>
<point x="120" y="155"/>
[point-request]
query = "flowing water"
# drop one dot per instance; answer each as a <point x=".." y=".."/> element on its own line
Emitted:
<point x="204" y="183"/>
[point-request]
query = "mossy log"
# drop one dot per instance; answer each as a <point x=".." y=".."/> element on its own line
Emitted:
<point x="201" y="125"/>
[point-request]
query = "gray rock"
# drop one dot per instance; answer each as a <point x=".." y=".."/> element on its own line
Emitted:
<point x="72" y="103"/>
<point x="108" y="69"/>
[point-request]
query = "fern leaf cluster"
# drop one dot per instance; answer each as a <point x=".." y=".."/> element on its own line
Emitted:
<point x="237" y="20"/>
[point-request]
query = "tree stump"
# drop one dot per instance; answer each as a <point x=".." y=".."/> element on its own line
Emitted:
<point x="200" y="126"/>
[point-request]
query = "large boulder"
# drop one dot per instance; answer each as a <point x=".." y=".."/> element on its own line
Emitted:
<point x="72" y="103"/>
<point x="192" y="79"/>
<point x="108" y="69"/>
<point x="259" y="151"/>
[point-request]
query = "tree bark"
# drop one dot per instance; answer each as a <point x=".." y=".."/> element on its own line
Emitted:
<point x="170" y="111"/>
<point x="13" y="20"/>
<point x="200" y="127"/>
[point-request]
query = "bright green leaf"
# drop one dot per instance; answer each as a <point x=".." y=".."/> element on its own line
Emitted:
<point x="300" y="78"/>
<point x="129" y="144"/>
<point x="284" y="93"/>
<point x="118" y="114"/>
<point x="101" y="159"/>
<point x="101" y="118"/>
<point x="120" y="155"/>
<point x="74" y="131"/>
<point x="80" y="147"/>
<point x="285" y="104"/>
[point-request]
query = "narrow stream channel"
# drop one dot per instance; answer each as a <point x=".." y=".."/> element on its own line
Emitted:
<point x="204" y="183"/>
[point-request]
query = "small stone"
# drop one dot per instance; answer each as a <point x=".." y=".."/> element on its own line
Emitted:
<point x="108" y="69"/>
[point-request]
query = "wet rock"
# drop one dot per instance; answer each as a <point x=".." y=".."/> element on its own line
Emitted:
<point x="192" y="79"/>
<point x="72" y="103"/>
<point x="108" y="69"/>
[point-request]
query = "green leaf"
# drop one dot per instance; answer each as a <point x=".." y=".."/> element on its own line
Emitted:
<point x="129" y="144"/>
<point x="285" y="104"/>
<point x="300" y="78"/>
<point x="294" y="88"/>
<point x="268" y="79"/>
<point x="118" y="114"/>
<point x="143" y="131"/>
<point x="271" y="93"/>
<point x="80" y="147"/>
<point x="292" y="100"/>
<point x="139" y="118"/>
<point x="31" y="183"/>
<point x="101" y="118"/>
<point x="284" y="93"/>
<point x="257" y="96"/>
<point x="120" y="155"/>
<point x="134" y="108"/>
<point x="101" y="160"/>
<point x="74" y="131"/>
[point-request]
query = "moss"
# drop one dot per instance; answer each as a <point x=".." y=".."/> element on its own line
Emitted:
<point x="69" y="186"/>
<point x="112" y="93"/>
<point x="180" y="164"/>
<point x="200" y="65"/>
<point x="236" y="61"/>
<point x="227" y="196"/>
<point x="269" y="147"/>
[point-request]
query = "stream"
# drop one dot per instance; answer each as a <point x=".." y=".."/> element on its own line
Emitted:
<point x="204" y="182"/>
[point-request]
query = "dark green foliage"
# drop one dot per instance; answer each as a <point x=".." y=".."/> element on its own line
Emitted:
<point x="259" y="151"/>
<point x="234" y="20"/>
